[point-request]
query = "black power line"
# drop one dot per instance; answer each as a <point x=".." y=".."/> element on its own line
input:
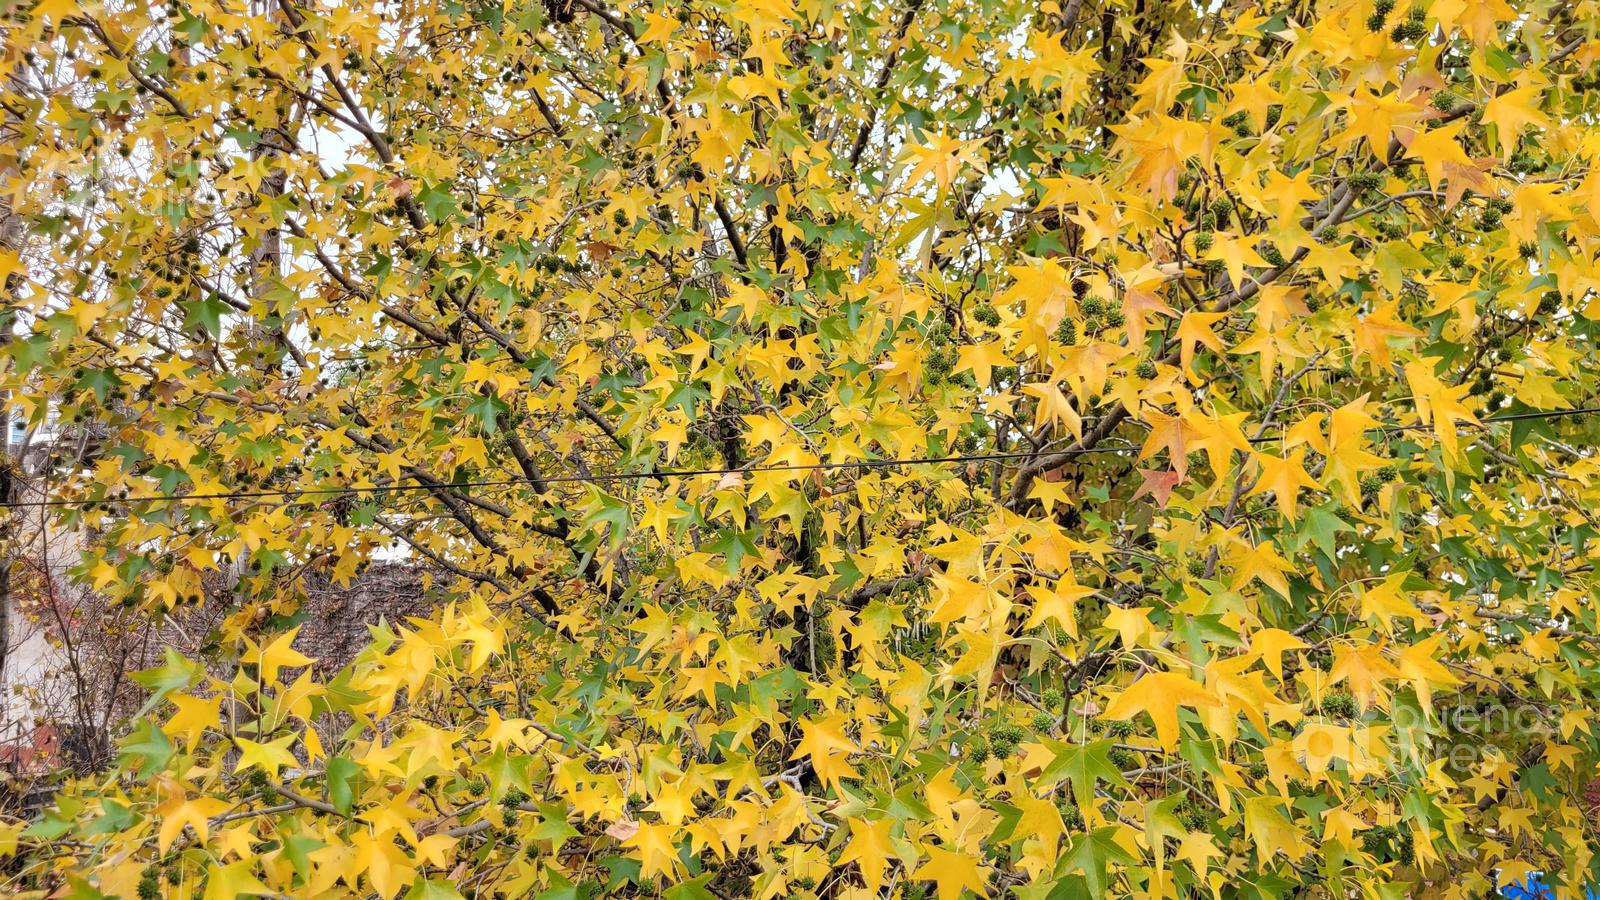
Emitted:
<point x="292" y="494"/>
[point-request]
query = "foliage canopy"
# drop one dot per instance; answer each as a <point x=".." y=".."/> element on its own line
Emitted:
<point x="1261" y="322"/>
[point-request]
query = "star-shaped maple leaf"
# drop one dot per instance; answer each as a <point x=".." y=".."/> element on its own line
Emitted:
<point x="1158" y="483"/>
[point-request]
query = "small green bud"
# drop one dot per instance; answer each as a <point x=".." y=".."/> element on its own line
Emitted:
<point x="1339" y="704"/>
<point x="1071" y="816"/>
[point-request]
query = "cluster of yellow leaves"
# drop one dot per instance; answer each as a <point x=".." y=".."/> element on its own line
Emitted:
<point x="859" y="449"/>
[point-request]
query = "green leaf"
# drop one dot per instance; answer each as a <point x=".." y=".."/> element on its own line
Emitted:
<point x="340" y="695"/>
<point x="102" y="381"/>
<point x="380" y="268"/>
<point x="607" y="510"/>
<point x="148" y="744"/>
<point x="694" y="889"/>
<point x="505" y="771"/>
<point x="437" y="203"/>
<point x="487" y="409"/>
<point x="563" y="889"/>
<point x="206" y="313"/>
<point x="298" y="849"/>
<point x="553" y="824"/>
<point x="176" y="674"/>
<point x="735" y="546"/>
<point x="341" y="773"/>
<point x="116" y="817"/>
<point x="1321" y="527"/>
<point x="1084" y="765"/>
<point x="30" y="352"/>
<point x="1200" y="633"/>
<point x="1089" y="855"/>
<point x="432" y="889"/>
<point x="49" y="826"/>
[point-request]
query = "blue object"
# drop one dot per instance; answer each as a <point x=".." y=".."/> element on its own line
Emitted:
<point x="1534" y="888"/>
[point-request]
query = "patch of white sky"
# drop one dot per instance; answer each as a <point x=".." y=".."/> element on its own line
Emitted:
<point x="1002" y="183"/>
<point x="336" y="147"/>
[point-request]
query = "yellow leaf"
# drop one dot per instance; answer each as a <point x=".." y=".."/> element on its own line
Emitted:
<point x="1195" y="328"/>
<point x="1439" y="148"/>
<point x="1131" y="622"/>
<point x="269" y="757"/>
<point x="194" y="716"/>
<point x="277" y="655"/>
<point x="653" y="844"/>
<point x="961" y="598"/>
<point x="180" y="810"/>
<point x="943" y="158"/>
<point x="824" y="742"/>
<point x="658" y="28"/>
<point x="1387" y="600"/>
<point x="674" y="801"/>
<point x="1057" y="603"/>
<point x="1234" y="253"/>
<point x="981" y="360"/>
<point x="1419" y="664"/>
<point x="235" y="880"/>
<point x="1512" y="111"/>
<point x="386" y="866"/>
<point x="1269" y="645"/>
<point x="1340" y="826"/>
<point x="1160" y="694"/>
<point x="1284" y="477"/>
<point x="1439" y="404"/>
<point x="952" y="873"/>
<point x="870" y="849"/>
<point x="1365" y="669"/>
<point x="1270" y="830"/>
